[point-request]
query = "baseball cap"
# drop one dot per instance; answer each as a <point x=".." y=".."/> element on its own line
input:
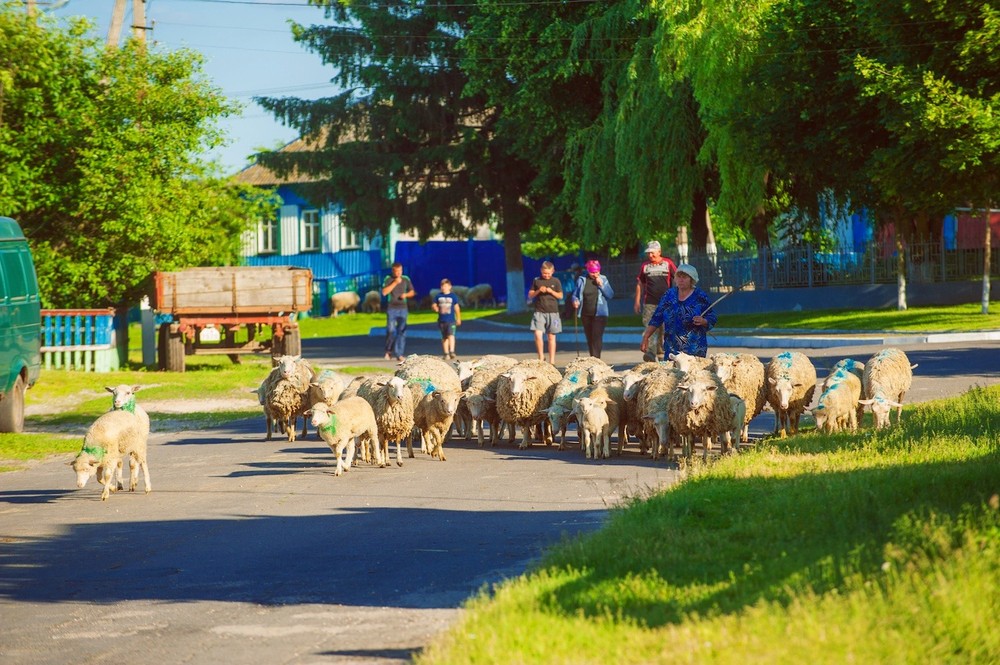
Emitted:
<point x="688" y="270"/>
<point x="593" y="267"/>
<point x="653" y="246"/>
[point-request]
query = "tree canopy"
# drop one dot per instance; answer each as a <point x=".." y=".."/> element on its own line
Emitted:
<point x="99" y="161"/>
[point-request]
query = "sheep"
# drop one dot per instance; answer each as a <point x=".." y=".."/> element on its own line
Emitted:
<point x="424" y="375"/>
<point x="524" y="392"/>
<point x="791" y="382"/>
<point x="433" y="416"/>
<point x="344" y="301"/>
<point x="372" y="303"/>
<point x="464" y="420"/>
<point x="480" y="295"/>
<point x="283" y="403"/>
<point x="123" y="398"/>
<point x="743" y="375"/>
<point x="886" y="378"/>
<point x="631" y="385"/>
<point x="300" y="374"/>
<point x="326" y="389"/>
<point x="461" y="291"/>
<point x="688" y="363"/>
<point x="838" y="403"/>
<point x="481" y="390"/>
<point x="700" y="407"/>
<point x="594" y="427"/>
<point x="113" y="436"/>
<point x="343" y="423"/>
<point x="392" y="403"/>
<point x="854" y="367"/>
<point x="652" y="400"/>
<point x="576" y="377"/>
<point x="609" y="393"/>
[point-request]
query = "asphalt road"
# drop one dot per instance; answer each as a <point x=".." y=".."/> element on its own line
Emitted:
<point x="253" y="552"/>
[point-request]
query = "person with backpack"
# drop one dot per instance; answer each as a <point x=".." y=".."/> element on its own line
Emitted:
<point x="656" y="275"/>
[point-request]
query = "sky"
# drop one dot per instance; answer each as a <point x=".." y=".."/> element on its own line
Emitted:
<point x="248" y="51"/>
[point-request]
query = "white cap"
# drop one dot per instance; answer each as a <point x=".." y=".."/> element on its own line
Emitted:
<point x="689" y="270"/>
<point x="652" y="246"/>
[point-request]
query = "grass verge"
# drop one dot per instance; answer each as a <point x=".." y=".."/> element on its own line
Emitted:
<point x="871" y="547"/>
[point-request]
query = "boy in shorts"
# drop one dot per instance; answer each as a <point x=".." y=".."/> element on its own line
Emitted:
<point x="449" y="317"/>
<point x="546" y="292"/>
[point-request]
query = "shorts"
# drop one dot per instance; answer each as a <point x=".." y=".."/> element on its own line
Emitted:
<point x="548" y="322"/>
<point x="447" y="329"/>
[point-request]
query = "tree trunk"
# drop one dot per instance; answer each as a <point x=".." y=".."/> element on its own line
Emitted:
<point x="514" y="262"/>
<point x="699" y="223"/>
<point x="900" y="273"/>
<point x="987" y="242"/>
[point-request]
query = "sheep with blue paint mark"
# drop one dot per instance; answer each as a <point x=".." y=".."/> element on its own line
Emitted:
<point x="887" y="377"/>
<point x="791" y="382"/>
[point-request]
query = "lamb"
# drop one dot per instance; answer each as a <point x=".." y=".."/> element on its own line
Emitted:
<point x="326" y="389"/>
<point x="424" y="375"/>
<point x="743" y="375"/>
<point x="791" y="382"/>
<point x="479" y="295"/>
<point x="652" y="402"/>
<point x="700" y="407"/>
<point x="343" y="423"/>
<point x="113" y="436"/>
<point x="854" y="367"/>
<point x="433" y="416"/>
<point x="594" y="427"/>
<point x="392" y="403"/>
<point x="886" y="378"/>
<point x="609" y="393"/>
<point x="344" y="301"/>
<point x="576" y="377"/>
<point x="631" y="385"/>
<point x="372" y="302"/>
<point x="838" y="403"/>
<point x="481" y="391"/>
<point x="123" y="399"/>
<point x="524" y="393"/>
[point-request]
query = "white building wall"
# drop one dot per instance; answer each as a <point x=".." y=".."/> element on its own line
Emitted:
<point x="289" y="216"/>
<point x="330" y="230"/>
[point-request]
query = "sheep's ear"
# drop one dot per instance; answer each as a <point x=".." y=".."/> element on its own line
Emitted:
<point x="109" y="389"/>
<point x="136" y="389"/>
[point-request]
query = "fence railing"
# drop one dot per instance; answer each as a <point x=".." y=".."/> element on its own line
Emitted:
<point x="803" y="267"/>
<point x="79" y="339"/>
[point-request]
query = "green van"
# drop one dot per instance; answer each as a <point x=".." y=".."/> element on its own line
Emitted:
<point x="20" y="325"/>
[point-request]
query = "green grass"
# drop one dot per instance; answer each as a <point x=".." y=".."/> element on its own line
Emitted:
<point x="871" y="547"/>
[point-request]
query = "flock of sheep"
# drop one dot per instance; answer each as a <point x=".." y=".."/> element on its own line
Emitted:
<point x="479" y="295"/>
<point x="683" y="402"/>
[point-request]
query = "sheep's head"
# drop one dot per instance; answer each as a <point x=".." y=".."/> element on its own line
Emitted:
<point x="784" y="388"/>
<point x="724" y="363"/>
<point x="395" y="388"/>
<point x="321" y="416"/>
<point x="631" y="383"/>
<point x="87" y="464"/>
<point x="123" y="397"/>
<point x="557" y="415"/>
<point x="447" y="400"/>
<point x="287" y="366"/>
<point x="465" y="369"/>
<point x="591" y="411"/>
<point x="699" y="393"/>
<point x="881" y="407"/>
<point x="661" y="423"/>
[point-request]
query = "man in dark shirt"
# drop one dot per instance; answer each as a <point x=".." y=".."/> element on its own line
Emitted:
<point x="546" y="292"/>
<point x="397" y="288"/>
<point x="655" y="276"/>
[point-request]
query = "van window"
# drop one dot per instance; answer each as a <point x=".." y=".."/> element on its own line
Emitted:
<point x="17" y="275"/>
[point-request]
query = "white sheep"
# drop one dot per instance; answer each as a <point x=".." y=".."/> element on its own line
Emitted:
<point x="481" y="390"/>
<point x="688" y="363"/>
<point x="886" y="378"/>
<point x="631" y="386"/>
<point x="652" y="404"/>
<point x="297" y="371"/>
<point x="609" y="393"/>
<point x="593" y="426"/>
<point x="700" y="408"/>
<point x="857" y="369"/>
<point x="423" y="375"/>
<point x="433" y="416"/>
<point x="480" y="295"/>
<point x="123" y="399"/>
<point x="344" y="424"/>
<point x="524" y="393"/>
<point x="344" y="301"/>
<point x="838" y="403"/>
<point x="112" y="437"/>
<point x="326" y="389"/>
<point x="575" y="378"/>
<point x="791" y="382"/>
<point x="283" y="403"/>
<point x="392" y="403"/>
<point x="372" y="302"/>
<point x="743" y="375"/>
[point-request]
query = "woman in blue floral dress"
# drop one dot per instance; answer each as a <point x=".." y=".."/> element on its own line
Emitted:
<point x="682" y="313"/>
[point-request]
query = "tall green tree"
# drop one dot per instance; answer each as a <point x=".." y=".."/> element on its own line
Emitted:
<point x="405" y="141"/>
<point x="99" y="161"/>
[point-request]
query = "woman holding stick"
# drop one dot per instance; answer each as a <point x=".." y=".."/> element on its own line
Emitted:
<point x="590" y="298"/>
<point x="686" y="315"/>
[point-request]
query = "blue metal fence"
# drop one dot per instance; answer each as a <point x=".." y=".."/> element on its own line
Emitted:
<point x="79" y="339"/>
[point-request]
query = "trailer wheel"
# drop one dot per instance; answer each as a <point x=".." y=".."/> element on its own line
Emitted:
<point x="293" y="342"/>
<point x="12" y="408"/>
<point x="171" y="349"/>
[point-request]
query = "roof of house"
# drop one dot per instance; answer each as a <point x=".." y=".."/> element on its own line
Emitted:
<point x="261" y="176"/>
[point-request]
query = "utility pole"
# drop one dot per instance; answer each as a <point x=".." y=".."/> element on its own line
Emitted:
<point x="115" y="29"/>
<point x="30" y="4"/>
<point x="139" y="20"/>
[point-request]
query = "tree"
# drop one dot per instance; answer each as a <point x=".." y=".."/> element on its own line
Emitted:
<point x="405" y="141"/>
<point x="99" y="162"/>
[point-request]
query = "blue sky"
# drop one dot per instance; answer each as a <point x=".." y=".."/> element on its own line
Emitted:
<point x="248" y="50"/>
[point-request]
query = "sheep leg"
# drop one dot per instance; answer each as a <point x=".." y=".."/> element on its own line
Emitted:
<point x="133" y="474"/>
<point x="373" y="442"/>
<point x="606" y="435"/>
<point x="399" y="453"/>
<point x="526" y="439"/>
<point x="351" y="448"/>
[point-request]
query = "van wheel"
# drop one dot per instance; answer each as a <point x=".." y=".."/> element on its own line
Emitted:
<point x="171" y="350"/>
<point x="12" y="408"/>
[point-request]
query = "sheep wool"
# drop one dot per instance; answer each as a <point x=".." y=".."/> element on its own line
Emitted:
<point x="791" y="382"/>
<point x="743" y="375"/>
<point x="481" y="391"/>
<point x="432" y="417"/>
<point x="392" y="403"/>
<point x="524" y="393"/>
<point x="112" y="437"/>
<point x="652" y="404"/>
<point x="480" y="295"/>
<point x="886" y="378"/>
<point x="344" y="301"/>
<point x="700" y="408"/>
<point x="837" y="407"/>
